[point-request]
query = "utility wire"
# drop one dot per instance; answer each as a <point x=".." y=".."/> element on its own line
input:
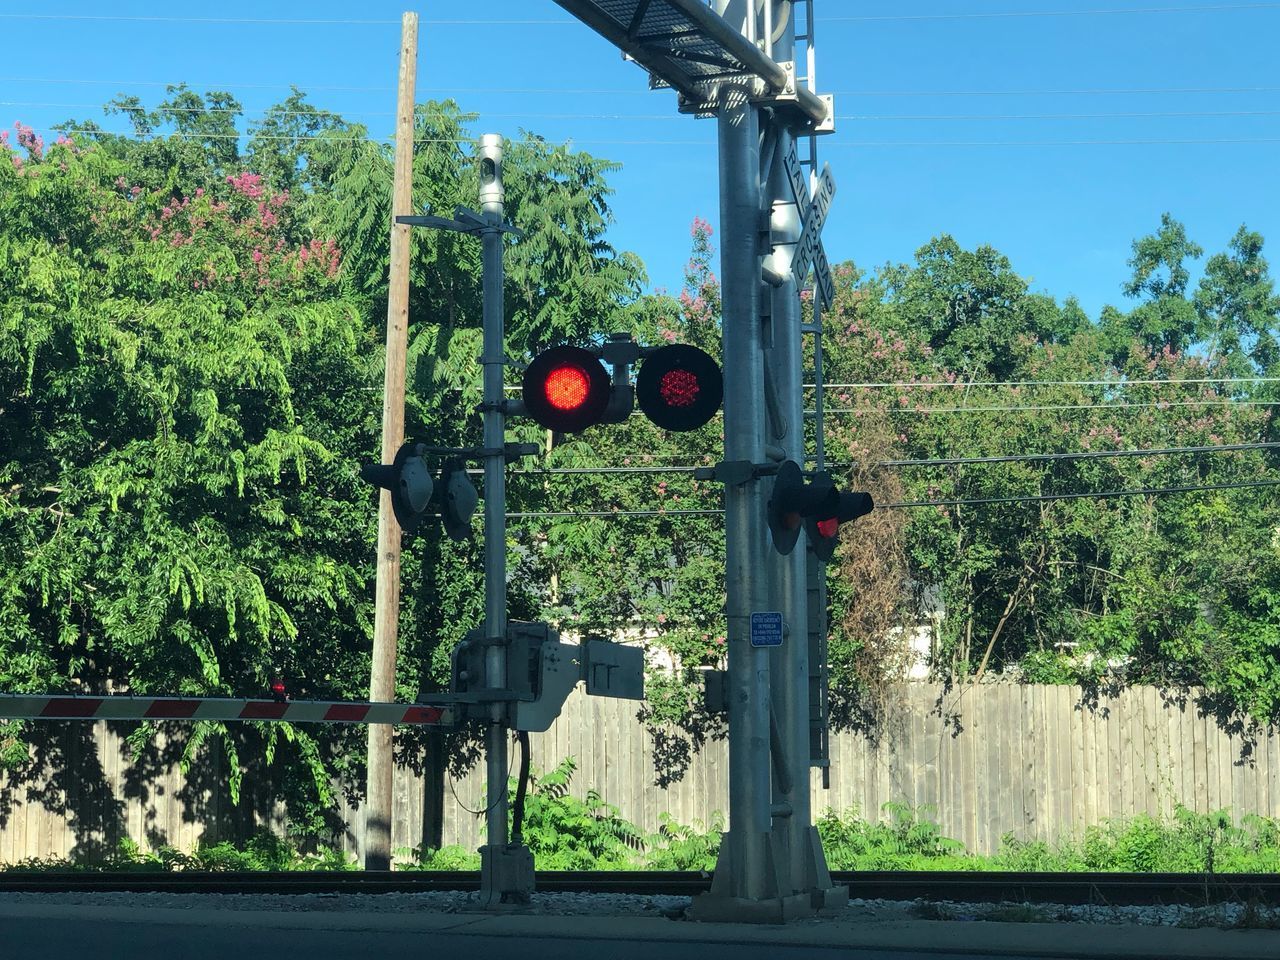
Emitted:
<point x="570" y="142"/>
<point x="1162" y="404"/>
<point x="560" y="22"/>
<point x="1105" y="495"/>
<point x="668" y="117"/>
<point x="934" y="462"/>
<point x="1068" y="92"/>
<point x="1083" y="455"/>
<point x="640" y="90"/>
<point x="916" y="504"/>
<point x="1034" y="14"/>
<point x="978" y="384"/>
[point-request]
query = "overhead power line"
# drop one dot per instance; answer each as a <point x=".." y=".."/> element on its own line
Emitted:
<point x="1082" y="455"/>
<point x="1045" y="408"/>
<point x="1104" y="495"/>
<point x="676" y="469"/>
<point x="593" y="141"/>
<point x="640" y="90"/>
<point x="562" y="22"/>
<point x="1039" y="14"/>
<point x="917" y="504"/>
<point x="290" y="21"/>
<point x="979" y="384"/>
<point x="1068" y="92"/>
<point x="666" y="117"/>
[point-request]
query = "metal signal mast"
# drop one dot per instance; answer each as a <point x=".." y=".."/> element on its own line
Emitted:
<point x="737" y="61"/>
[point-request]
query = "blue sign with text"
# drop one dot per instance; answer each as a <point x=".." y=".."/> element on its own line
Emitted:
<point x="766" y="629"/>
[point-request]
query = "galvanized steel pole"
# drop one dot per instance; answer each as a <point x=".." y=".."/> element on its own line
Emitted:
<point x="790" y="662"/>
<point x="495" y="477"/>
<point x="746" y="533"/>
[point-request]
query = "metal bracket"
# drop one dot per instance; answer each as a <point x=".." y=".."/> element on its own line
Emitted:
<point x="620" y="349"/>
<point x="512" y="451"/>
<point x="736" y="472"/>
<point x="464" y="221"/>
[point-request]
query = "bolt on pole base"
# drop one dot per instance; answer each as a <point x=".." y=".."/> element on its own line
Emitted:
<point x="506" y="876"/>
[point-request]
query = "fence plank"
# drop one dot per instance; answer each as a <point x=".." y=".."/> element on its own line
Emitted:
<point x="1027" y="761"/>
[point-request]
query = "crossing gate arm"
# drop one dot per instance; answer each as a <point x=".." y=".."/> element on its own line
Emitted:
<point x="23" y="706"/>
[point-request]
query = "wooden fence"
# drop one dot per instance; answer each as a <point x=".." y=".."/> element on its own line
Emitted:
<point x="1034" y="761"/>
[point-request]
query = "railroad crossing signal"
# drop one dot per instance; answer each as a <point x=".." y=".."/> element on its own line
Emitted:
<point x="408" y="479"/>
<point x="458" y="499"/>
<point x="817" y="506"/>
<point x="679" y="387"/>
<point x="823" y="525"/>
<point x="567" y="388"/>
<point x="813" y="215"/>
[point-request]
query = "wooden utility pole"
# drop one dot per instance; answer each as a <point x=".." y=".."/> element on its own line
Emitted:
<point x="382" y="686"/>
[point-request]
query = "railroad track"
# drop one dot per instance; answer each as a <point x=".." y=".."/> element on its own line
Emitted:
<point x="1099" y="888"/>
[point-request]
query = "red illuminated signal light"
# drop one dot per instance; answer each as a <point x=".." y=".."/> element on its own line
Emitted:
<point x="566" y="389"/>
<point x="679" y="387"/>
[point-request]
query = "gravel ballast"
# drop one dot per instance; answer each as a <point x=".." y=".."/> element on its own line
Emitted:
<point x="1232" y="915"/>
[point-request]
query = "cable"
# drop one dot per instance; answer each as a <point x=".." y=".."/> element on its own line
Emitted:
<point x="522" y="787"/>
<point x="1084" y="455"/>
<point x="1105" y="495"/>
<point x="502" y="795"/>
<point x="968" y="118"/>
<point x="674" y="117"/>
<point x="275" y="20"/>
<point x="978" y="384"/>
<point x="905" y="464"/>
<point x="1029" y="14"/>
<point x="1086" y="92"/>
<point x="1154" y="141"/>
<point x="570" y="142"/>
<point x="206" y="84"/>
<point x="913" y="504"/>
<point x="641" y="90"/>
<point x="1162" y="404"/>
<point x="1214" y="8"/>
<point x="616" y="513"/>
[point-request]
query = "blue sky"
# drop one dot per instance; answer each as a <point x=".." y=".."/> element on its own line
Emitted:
<point x="952" y="120"/>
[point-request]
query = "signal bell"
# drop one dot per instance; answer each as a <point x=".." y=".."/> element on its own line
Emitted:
<point x="566" y="389"/>
<point x="679" y="387"/>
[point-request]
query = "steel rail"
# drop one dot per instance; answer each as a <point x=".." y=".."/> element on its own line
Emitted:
<point x="1114" y="889"/>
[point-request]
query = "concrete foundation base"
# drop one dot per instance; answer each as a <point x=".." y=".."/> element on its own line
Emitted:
<point x="506" y="876"/>
<point x="715" y="908"/>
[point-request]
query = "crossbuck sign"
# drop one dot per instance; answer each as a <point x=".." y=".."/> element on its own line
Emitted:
<point x="813" y="214"/>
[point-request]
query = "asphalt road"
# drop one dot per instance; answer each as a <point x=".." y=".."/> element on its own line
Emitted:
<point x="165" y="927"/>
<point x="76" y="940"/>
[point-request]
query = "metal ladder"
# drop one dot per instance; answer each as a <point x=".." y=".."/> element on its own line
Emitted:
<point x="816" y="586"/>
